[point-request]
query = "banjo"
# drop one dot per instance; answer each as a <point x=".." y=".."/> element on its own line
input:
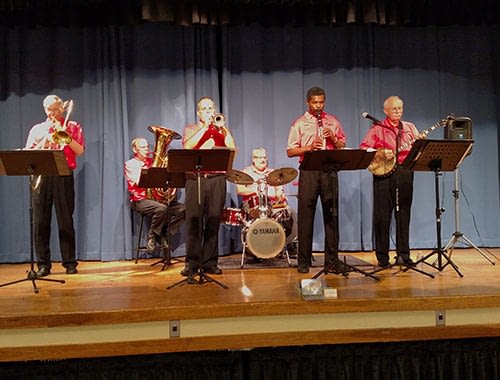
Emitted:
<point x="381" y="166"/>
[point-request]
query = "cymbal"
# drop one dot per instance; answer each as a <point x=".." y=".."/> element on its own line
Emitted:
<point x="281" y="176"/>
<point x="238" y="177"/>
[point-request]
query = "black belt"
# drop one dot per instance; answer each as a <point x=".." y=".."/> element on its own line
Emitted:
<point x="202" y="175"/>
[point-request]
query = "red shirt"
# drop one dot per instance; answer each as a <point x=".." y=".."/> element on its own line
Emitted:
<point x="384" y="137"/>
<point x="305" y="129"/>
<point x="40" y="137"/>
<point x="133" y="169"/>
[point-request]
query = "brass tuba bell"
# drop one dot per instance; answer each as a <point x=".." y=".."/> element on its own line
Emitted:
<point x="163" y="138"/>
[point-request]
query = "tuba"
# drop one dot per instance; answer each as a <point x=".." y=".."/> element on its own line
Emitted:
<point x="163" y="138"/>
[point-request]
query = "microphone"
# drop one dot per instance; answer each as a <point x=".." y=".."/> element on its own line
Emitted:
<point x="366" y="115"/>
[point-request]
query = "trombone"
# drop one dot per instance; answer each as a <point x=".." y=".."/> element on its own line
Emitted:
<point x="60" y="135"/>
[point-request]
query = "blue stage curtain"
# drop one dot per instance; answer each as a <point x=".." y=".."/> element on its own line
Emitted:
<point x="125" y="78"/>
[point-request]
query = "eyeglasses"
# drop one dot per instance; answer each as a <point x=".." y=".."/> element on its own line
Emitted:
<point x="260" y="157"/>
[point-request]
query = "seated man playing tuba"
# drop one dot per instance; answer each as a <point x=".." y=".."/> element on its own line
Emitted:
<point x="156" y="204"/>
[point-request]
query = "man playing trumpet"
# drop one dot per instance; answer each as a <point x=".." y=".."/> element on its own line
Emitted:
<point x="203" y="218"/>
<point x="56" y="133"/>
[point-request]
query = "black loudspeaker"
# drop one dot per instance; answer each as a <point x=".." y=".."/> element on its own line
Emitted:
<point x="458" y="128"/>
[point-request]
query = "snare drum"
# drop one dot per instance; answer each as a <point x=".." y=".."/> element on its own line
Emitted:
<point x="233" y="216"/>
<point x="265" y="238"/>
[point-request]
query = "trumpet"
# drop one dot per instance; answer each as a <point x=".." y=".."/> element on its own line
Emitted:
<point x="218" y="120"/>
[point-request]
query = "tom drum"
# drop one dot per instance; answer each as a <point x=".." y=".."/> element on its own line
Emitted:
<point x="233" y="216"/>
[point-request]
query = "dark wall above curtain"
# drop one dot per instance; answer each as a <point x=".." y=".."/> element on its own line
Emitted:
<point x="244" y="12"/>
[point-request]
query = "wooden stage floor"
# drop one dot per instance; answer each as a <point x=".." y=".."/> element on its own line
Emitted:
<point x="123" y="308"/>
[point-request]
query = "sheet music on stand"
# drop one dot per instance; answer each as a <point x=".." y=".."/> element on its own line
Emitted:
<point x="337" y="160"/>
<point x="219" y="160"/>
<point x="34" y="162"/>
<point x="447" y="154"/>
<point x="154" y="177"/>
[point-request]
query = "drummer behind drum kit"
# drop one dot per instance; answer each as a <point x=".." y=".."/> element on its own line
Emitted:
<point x="262" y="232"/>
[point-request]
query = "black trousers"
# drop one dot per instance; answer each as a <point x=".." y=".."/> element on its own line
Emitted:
<point x="161" y="215"/>
<point x="384" y="205"/>
<point x="58" y="192"/>
<point x="203" y="220"/>
<point x="314" y="184"/>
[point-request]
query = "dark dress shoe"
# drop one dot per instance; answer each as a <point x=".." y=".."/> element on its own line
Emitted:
<point x="213" y="270"/>
<point x="42" y="272"/>
<point x="384" y="263"/>
<point x="71" y="270"/>
<point x="405" y="260"/>
<point x="188" y="271"/>
<point x="337" y="267"/>
<point x="303" y="268"/>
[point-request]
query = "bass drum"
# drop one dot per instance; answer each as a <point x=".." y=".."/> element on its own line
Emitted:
<point x="265" y="238"/>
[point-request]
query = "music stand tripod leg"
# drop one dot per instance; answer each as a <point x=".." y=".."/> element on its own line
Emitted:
<point x="457" y="235"/>
<point x="440" y="266"/>
<point x="353" y="268"/>
<point x="31" y="274"/>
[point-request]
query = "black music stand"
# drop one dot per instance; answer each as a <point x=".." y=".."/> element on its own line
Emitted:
<point x="156" y="177"/>
<point x="333" y="161"/>
<point x="438" y="156"/>
<point x="32" y="163"/>
<point x="199" y="161"/>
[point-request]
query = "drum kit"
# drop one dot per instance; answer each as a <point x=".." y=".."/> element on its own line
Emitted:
<point x="262" y="223"/>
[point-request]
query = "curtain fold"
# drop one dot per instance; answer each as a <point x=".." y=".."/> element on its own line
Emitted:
<point x="234" y="12"/>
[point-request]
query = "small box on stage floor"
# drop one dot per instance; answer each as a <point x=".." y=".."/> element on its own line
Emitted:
<point x="312" y="289"/>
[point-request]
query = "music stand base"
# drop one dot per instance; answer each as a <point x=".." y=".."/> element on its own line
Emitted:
<point x="456" y="237"/>
<point x="166" y="259"/>
<point x="350" y="268"/>
<point x="440" y="266"/>
<point x="403" y="268"/>
<point x="199" y="278"/>
<point x="32" y="276"/>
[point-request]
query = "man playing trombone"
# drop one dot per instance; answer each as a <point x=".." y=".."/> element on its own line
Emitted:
<point x="57" y="132"/>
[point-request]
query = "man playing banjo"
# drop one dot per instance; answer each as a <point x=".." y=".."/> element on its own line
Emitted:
<point x="390" y="136"/>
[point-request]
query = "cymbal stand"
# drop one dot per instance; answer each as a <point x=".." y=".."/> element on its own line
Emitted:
<point x="31" y="274"/>
<point x="457" y="235"/>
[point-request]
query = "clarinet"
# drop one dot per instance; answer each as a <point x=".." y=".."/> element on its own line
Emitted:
<point x="320" y="128"/>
